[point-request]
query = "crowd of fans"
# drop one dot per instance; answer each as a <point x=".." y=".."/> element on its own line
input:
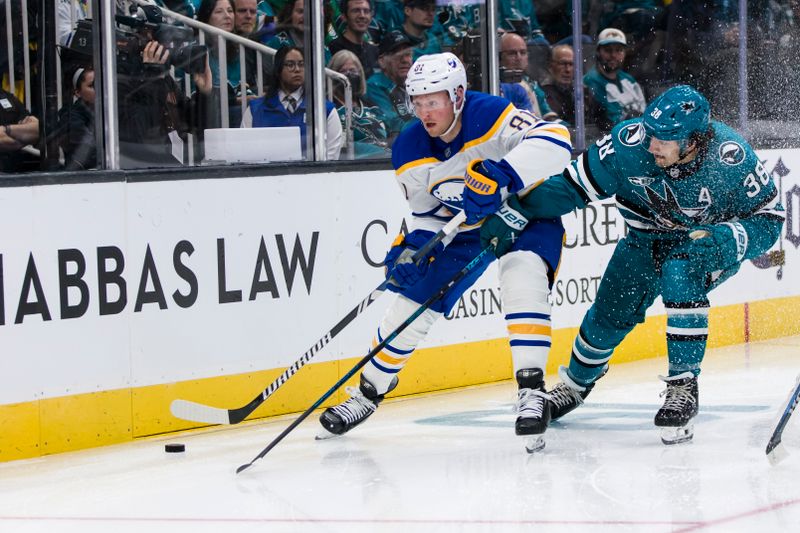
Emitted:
<point x="631" y="50"/>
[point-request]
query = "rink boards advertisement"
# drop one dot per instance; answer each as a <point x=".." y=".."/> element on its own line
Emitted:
<point x="116" y="298"/>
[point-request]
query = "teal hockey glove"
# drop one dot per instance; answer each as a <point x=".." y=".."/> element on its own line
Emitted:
<point x="717" y="247"/>
<point x="483" y="184"/>
<point x="505" y="225"/>
<point x="401" y="271"/>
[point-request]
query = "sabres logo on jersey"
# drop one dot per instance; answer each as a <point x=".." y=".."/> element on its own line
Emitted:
<point x="731" y="153"/>
<point x="632" y="134"/>
<point x="450" y="192"/>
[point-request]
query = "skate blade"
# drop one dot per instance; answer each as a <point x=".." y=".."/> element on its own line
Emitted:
<point x="677" y="435"/>
<point x="324" y="434"/>
<point x="534" y="443"/>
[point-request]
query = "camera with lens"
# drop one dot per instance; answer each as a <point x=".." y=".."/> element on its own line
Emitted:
<point x="510" y="75"/>
<point x="471" y="51"/>
<point x="134" y="32"/>
<point x="147" y="25"/>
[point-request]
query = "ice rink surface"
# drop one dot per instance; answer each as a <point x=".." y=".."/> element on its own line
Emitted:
<point x="450" y="462"/>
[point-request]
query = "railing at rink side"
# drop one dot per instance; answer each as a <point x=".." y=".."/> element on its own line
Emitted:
<point x="223" y="37"/>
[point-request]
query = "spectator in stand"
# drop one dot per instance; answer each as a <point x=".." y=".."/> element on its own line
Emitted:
<point x="221" y="14"/>
<point x="355" y="37"/>
<point x="80" y="149"/>
<point x="514" y="69"/>
<point x="559" y="88"/>
<point x="18" y="130"/>
<point x="387" y="88"/>
<point x="369" y="131"/>
<point x="285" y="104"/>
<point x="265" y="25"/>
<point x="388" y="16"/>
<point x="519" y="16"/>
<point x="618" y="94"/>
<point x="418" y="24"/>
<point x="290" y="29"/>
<point x="456" y="19"/>
<point x="245" y="20"/>
<point x="68" y="13"/>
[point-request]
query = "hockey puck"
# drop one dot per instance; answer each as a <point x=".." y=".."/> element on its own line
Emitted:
<point x="699" y="234"/>
<point x="174" y="448"/>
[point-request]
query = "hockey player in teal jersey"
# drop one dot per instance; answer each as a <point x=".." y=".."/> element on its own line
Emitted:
<point x="467" y="151"/>
<point x="697" y="203"/>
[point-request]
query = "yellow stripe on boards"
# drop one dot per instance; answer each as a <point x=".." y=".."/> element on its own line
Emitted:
<point x="82" y="421"/>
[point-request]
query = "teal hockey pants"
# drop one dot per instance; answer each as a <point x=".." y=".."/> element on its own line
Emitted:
<point x="642" y="267"/>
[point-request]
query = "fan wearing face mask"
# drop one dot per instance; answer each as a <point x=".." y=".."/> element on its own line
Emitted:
<point x="370" y="136"/>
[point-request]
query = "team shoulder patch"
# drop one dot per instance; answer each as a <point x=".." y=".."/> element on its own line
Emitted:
<point x="632" y="134"/>
<point x="731" y="153"/>
<point x="641" y="181"/>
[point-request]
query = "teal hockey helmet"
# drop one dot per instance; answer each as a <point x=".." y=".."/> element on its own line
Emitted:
<point x="676" y="115"/>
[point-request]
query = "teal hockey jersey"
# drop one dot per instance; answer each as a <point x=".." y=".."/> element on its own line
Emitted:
<point x="727" y="183"/>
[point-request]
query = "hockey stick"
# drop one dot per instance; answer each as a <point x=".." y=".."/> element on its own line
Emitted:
<point x="198" y="412"/>
<point x="439" y="294"/>
<point x="775" y="450"/>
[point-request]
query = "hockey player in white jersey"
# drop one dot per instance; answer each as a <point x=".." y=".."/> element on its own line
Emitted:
<point x="472" y="152"/>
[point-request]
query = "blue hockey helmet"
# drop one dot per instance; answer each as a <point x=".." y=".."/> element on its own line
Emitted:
<point x="675" y="115"/>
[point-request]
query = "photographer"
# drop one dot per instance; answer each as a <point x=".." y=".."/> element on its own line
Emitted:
<point x="155" y="115"/>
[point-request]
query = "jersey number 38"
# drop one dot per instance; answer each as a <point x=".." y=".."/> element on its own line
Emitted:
<point x="753" y="184"/>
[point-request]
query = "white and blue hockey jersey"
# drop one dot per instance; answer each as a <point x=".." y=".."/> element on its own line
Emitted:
<point x="430" y="172"/>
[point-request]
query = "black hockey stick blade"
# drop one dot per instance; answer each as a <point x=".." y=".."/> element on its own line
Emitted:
<point x="364" y="360"/>
<point x="198" y="412"/>
<point x="776" y="452"/>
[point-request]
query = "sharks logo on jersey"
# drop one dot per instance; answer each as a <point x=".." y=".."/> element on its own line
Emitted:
<point x="731" y="153"/>
<point x="669" y="213"/>
<point x="632" y="134"/>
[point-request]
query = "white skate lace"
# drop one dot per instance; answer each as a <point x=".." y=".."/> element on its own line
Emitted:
<point x="563" y="395"/>
<point x="356" y="407"/>
<point x="530" y="403"/>
<point x="678" y="396"/>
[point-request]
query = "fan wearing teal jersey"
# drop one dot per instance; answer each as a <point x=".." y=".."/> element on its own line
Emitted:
<point x="697" y="203"/>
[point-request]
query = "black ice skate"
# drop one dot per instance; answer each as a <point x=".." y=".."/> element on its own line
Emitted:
<point x="568" y="395"/>
<point x="680" y="406"/>
<point x="363" y="401"/>
<point x="533" y="412"/>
